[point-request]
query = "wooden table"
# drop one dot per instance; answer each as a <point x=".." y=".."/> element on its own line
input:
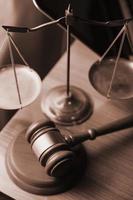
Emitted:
<point x="109" y="175"/>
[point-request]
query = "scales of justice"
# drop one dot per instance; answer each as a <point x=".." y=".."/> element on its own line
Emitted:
<point x="59" y="152"/>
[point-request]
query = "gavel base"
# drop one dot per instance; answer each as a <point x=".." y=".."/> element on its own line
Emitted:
<point x="26" y="171"/>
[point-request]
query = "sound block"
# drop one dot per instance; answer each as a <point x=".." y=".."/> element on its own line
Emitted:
<point x="26" y="171"/>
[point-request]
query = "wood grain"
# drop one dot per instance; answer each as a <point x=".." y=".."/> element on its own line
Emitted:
<point x="109" y="174"/>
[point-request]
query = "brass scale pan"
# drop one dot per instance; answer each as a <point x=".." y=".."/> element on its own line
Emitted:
<point x="100" y="76"/>
<point x="29" y="86"/>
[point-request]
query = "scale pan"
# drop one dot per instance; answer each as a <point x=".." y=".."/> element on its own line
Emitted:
<point x="29" y="84"/>
<point x="100" y="76"/>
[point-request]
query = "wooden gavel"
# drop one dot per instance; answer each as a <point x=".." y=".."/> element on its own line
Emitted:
<point x="55" y="152"/>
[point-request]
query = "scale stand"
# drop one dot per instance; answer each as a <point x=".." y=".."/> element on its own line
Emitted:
<point x="67" y="105"/>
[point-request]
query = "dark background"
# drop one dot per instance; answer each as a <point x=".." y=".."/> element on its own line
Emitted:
<point x="96" y="37"/>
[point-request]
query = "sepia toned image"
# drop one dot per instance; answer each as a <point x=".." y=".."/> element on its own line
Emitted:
<point x="66" y="100"/>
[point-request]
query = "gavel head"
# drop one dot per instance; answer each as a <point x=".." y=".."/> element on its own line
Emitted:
<point x="50" y="147"/>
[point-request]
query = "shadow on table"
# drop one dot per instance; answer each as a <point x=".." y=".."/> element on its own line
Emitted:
<point x="5" y="116"/>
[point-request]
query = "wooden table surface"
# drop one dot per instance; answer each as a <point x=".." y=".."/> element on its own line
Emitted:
<point x="109" y="175"/>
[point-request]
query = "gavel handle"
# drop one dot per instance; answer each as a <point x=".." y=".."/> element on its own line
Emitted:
<point x="117" y="125"/>
<point x="91" y="134"/>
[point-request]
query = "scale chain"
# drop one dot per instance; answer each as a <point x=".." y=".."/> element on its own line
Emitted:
<point x="17" y="49"/>
<point x="116" y="62"/>
<point x="110" y="46"/>
<point x="14" y="70"/>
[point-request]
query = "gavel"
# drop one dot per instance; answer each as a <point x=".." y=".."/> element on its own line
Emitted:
<point x="55" y="151"/>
